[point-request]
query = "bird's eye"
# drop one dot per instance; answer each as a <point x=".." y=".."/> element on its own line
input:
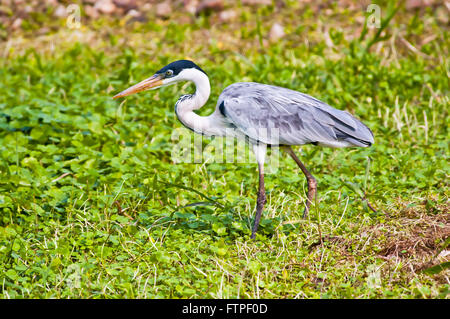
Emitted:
<point x="169" y="73"/>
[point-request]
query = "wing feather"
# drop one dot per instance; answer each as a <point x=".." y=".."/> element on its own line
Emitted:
<point x="288" y="117"/>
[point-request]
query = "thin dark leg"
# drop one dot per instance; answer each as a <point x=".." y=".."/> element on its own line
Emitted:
<point x="260" y="201"/>
<point x="312" y="183"/>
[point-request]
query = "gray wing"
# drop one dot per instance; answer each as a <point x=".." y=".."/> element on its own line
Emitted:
<point x="279" y="116"/>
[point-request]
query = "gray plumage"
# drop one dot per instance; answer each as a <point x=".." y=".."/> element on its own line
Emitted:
<point x="290" y="117"/>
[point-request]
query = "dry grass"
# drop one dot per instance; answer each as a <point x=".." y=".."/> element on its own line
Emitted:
<point x="416" y="239"/>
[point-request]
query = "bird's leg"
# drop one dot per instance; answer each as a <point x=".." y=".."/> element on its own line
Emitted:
<point x="260" y="201"/>
<point x="312" y="183"/>
<point x="260" y="154"/>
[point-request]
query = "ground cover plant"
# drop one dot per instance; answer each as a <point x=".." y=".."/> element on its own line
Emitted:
<point x="92" y="205"/>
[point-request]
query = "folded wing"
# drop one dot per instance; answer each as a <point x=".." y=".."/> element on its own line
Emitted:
<point x="279" y="116"/>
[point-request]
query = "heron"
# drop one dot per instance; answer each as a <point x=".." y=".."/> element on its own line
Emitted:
<point x="247" y="108"/>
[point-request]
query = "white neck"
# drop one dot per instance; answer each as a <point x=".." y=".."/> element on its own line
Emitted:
<point x="208" y="125"/>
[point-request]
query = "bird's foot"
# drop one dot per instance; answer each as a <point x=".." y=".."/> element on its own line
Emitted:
<point x="305" y="213"/>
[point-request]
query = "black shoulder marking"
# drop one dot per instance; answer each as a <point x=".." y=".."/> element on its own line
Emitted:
<point x="222" y="108"/>
<point x="180" y="65"/>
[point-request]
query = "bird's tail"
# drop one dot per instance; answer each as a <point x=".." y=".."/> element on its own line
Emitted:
<point x="362" y="136"/>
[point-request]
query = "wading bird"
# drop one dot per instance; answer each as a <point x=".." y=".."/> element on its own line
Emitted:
<point x="265" y="115"/>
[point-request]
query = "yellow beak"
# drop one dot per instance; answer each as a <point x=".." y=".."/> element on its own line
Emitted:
<point x="152" y="82"/>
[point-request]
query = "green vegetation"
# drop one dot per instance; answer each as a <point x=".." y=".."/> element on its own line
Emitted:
<point x="92" y="206"/>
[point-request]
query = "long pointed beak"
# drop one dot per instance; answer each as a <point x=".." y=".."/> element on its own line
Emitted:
<point x="152" y="82"/>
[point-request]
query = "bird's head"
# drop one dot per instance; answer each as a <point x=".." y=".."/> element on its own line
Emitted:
<point x="182" y="70"/>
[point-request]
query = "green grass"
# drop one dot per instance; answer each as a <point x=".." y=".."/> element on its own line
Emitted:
<point x="92" y="206"/>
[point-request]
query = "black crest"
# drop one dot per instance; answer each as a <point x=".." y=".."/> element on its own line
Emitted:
<point x="178" y="66"/>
